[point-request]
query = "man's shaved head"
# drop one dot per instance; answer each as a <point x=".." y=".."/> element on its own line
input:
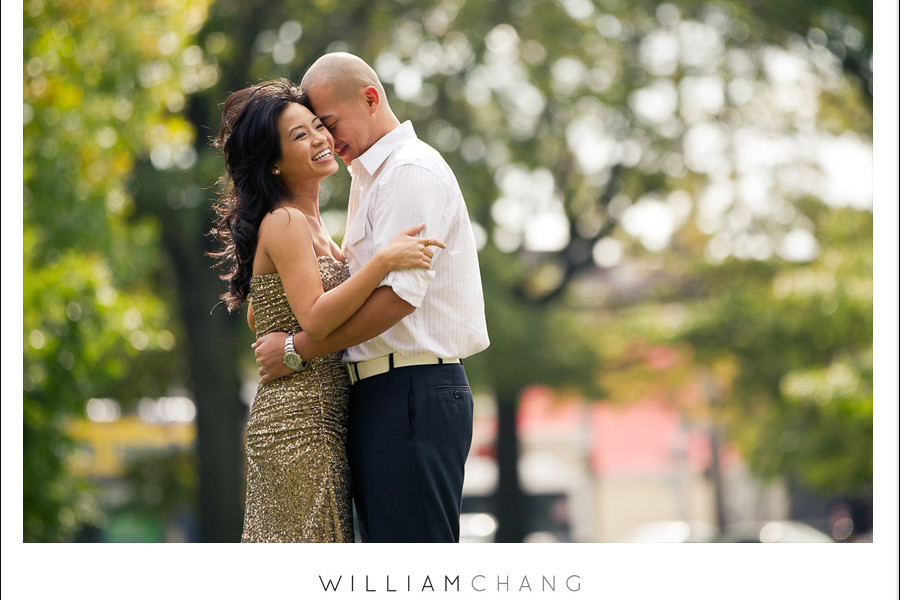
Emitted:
<point x="345" y="74"/>
<point x="347" y="96"/>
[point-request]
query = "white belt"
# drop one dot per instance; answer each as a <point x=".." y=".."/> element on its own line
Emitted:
<point x="383" y="364"/>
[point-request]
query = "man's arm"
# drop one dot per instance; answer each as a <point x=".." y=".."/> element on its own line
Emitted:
<point x="421" y="198"/>
<point x="380" y="312"/>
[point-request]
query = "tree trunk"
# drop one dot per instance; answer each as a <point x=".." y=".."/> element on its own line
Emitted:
<point x="216" y="389"/>
<point x="508" y="500"/>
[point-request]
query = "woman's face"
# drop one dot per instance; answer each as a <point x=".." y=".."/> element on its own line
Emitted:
<point x="307" y="148"/>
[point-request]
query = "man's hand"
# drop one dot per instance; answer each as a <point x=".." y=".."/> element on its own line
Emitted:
<point x="269" y="350"/>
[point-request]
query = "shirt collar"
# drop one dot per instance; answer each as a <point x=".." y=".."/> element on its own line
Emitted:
<point x="372" y="158"/>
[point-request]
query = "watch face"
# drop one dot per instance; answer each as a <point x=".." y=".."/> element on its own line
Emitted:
<point x="292" y="361"/>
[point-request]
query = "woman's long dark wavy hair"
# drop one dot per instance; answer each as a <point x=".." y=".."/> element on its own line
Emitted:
<point x="249" y="139"/>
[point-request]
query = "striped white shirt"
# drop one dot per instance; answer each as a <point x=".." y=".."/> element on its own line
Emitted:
<point x="398" y="183"/>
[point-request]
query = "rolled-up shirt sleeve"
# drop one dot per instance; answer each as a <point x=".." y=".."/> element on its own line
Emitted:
<point x="409" y="285"/>
<point x="411" y="196"/>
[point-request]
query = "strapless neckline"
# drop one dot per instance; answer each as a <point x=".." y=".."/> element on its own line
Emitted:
<point x="318" y="259"/>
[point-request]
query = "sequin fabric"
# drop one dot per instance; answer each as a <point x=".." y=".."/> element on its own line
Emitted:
<point x="298" y="479"/>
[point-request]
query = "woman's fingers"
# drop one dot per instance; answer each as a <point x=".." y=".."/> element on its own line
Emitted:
<point x="412" y="232"/>
<point x="431" y="242"/>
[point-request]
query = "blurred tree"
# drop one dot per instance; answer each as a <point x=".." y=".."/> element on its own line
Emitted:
<point x="587" y="137"/>
<point x="842" y="27"/>
<point x="610" y="135"/>
<point x="801" y="400"/>
<point x="781" y="352"/>
<point x="584" y="134"/>
<point x="100" y="82"/>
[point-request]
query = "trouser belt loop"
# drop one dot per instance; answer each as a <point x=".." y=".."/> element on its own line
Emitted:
<point x="391" y="361"/>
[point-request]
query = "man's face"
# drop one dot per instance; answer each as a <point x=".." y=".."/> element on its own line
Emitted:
<point x="348" y="121"/>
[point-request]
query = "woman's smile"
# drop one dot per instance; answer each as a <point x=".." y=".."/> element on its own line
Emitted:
<point x="323" y="155"/>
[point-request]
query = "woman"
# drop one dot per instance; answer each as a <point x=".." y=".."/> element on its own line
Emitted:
<point x="281" y="257"/>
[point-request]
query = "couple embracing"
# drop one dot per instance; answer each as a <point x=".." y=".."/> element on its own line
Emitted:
<point x="362" y="395"/>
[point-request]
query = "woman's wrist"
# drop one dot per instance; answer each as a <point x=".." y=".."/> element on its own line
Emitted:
<point x="382" y="263"/>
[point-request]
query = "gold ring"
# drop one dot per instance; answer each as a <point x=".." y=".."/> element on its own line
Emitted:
<point x="427" y="243"/>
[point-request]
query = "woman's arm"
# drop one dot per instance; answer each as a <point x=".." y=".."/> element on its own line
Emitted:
<point x="286" y="238"/>
<point x="380" y="312"/>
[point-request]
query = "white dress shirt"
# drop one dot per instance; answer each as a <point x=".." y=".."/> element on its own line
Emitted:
<point x="398" y="183"/>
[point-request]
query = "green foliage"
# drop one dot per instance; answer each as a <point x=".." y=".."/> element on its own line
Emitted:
<point x="541" y="110"/>
<point x="100" y="81"/>
<point x="782" y="352"/>
<point x="801" y="400"/>
<point x="162" y="484"/>
<point x="537" y="106"/>
<point x="533" y="104"/>
<point x="529" y="341"/>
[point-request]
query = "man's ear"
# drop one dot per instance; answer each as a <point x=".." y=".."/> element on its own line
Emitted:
<point x="372" y="98"/>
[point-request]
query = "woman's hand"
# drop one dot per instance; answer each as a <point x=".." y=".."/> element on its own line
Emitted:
<point x="409" y="252"/>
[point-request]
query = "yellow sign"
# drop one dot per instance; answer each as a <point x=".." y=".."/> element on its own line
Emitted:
<point x="105" y="449"/>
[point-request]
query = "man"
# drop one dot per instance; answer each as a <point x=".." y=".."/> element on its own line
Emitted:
<point x="410" y="423"/>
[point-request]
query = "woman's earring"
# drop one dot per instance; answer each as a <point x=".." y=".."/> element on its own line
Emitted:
<point x="276" y="171"/>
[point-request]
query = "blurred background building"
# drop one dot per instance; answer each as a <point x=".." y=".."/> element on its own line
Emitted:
<point x="590" y="472"/>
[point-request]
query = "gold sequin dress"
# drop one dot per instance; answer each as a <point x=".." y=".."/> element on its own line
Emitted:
<point x="298" y="479"/>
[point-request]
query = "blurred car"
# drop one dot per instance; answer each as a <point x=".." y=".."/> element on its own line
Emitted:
<point x="769" y="532"/>
<point x="477" y="528"/>
<point x="655" y="532"/>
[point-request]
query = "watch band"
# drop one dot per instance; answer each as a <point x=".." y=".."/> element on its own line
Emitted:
<point x="289" y="344"/>
<point x="292" y="358"/>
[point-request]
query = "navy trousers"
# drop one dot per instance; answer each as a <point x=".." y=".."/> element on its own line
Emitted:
<point x="409" y="434"/>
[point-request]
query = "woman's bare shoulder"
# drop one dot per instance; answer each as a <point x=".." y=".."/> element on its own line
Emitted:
<point x="284" y="220"/>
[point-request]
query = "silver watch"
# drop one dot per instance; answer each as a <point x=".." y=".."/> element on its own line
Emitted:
<point x="292" y="358"/>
